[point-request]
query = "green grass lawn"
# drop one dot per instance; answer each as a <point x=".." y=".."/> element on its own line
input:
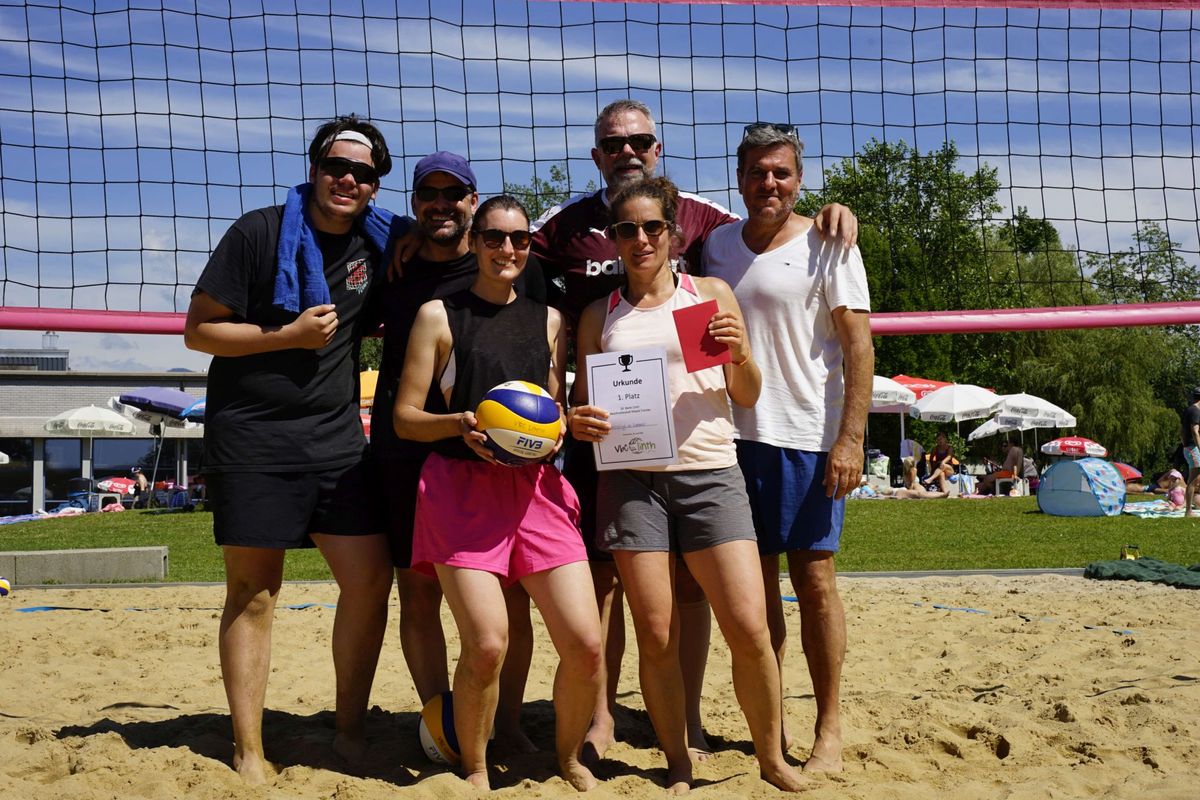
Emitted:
<point x="880" y="535"/>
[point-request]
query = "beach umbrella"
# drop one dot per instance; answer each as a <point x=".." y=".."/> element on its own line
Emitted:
<point x="1034" y="407"/>
<point x="89" y="421"/>
<point x="161" y="408"/>
<point x="158" y="400"/>
<point x="889" y="396"/>
<point x="117" y="485"/>
<point x="365" y="419"/>
<point x="1127" y="472"/>
<point x="367" y="381"/>
<point x="149" y="417"/>
<point x="1073" y="446"/>
<point x="919" y="386"/>
<point x="194" y="412"/>
<point x="990" y="428"/>
<point x="955" y="403"/>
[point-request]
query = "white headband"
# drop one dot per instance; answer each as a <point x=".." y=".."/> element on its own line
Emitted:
<point x="353" y="136"/>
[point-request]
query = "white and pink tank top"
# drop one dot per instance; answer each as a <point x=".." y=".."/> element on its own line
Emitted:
<point x="699" y="403"/>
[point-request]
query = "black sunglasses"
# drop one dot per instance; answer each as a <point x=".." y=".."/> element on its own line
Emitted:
<point x="336" y="168"/>
<point x="427" y="194"/>
<point x="785" y="128"/>
<point x="494" y="237"/>
<point x="640" y="142"/>
<point x="629" y="230"/>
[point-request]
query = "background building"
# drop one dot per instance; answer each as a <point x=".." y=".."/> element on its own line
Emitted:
<point x="39" y="465"/>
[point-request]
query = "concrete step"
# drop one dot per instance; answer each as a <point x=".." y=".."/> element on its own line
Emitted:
<point x="98" y="565"/>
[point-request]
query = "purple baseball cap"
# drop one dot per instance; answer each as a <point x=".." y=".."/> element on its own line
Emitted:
<point x="444" y="161"/>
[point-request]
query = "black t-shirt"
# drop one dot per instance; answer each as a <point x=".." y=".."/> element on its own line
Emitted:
<point x="288" y="410"/>
<point x="1190" y="417"/>
<point x="395" y="304"/>
<point x="492" y="344"/>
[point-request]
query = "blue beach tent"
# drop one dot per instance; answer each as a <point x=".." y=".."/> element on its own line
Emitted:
<point x="1086" y="487"/>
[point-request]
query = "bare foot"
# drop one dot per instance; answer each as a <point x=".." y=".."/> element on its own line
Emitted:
<point x="679" y="779"/>
<point x="698" y="746"/>
<point x="599" y="738"/>
<point x="514" y="740"/>
<point x="826" y="755"/>
<point x="577" y="775"/>
<point x="784" y="777"/>
<point x="254" y="769"/>
<point x="352" y="749"/>
<point x="479" y="780"/>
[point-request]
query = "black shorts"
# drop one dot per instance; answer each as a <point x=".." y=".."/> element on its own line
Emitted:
<point x="397" y="481"/>
<point x="280" y="509"/>
<point x="579" y="468"/>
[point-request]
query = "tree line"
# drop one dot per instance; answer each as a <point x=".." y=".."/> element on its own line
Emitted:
<point x="931" y="242"/>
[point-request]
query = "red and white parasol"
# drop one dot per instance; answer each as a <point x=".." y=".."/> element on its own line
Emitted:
<point x="1073" y="446"/>
<point x="117" y="485"/>
<point x="1127" y="472"/>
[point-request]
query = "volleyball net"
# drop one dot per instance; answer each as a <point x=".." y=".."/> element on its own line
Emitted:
<point x="132" y="135"/>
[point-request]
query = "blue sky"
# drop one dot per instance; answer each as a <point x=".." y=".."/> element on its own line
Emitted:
<point x="131" y="134"/>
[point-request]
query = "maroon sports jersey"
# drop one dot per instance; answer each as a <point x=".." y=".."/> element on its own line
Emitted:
<point x="569" y="240"/>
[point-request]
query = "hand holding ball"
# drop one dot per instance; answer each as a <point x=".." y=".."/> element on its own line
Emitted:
<point x="521" y="421"/>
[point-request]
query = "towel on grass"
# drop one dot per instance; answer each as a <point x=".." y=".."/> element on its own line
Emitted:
<point x="300" y="277"/>
<point x="1145" y="569"/>
<point x="1147" y="509"/>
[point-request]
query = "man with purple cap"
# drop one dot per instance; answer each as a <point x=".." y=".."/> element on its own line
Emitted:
<point x="444" y="200"/>
<point x="281" y="306"/>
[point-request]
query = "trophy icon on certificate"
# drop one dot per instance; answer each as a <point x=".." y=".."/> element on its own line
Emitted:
<point x="625" y="359"/>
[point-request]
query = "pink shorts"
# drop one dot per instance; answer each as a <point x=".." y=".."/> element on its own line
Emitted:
<point x="508" y="521"/>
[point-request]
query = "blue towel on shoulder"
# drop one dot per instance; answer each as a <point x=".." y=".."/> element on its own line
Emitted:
<point x="300" y="276"/>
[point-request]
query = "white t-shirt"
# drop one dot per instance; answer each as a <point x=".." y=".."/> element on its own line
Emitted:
<point x="788" y="296"/>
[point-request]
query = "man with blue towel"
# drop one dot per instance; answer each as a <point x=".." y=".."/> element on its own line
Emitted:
<point x="280" y="306"/>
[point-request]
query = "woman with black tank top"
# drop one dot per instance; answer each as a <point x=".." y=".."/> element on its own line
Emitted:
<point x="481" y="526"/>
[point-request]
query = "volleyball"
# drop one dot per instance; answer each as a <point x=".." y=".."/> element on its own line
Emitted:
<point x="436" y="730"/>
<point x="5" y="587"/>
<point x="521" y="421"/>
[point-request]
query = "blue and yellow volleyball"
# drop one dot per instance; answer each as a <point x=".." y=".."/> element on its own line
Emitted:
<point x="436" y="730"/>
<point x="521" y="421"/>
<point x="5" y="587"/>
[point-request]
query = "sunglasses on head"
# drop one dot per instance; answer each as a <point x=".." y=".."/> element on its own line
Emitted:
<point x="785" y="128"/>
<point x="629" y="230"/>
<point x="336" y="168"/>
<point x="453" y="194"/>
<point x="640" y="142"/>
<point x="494" y="237"/>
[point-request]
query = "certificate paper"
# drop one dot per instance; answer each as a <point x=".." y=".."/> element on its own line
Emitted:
<point x="632" y="387"/>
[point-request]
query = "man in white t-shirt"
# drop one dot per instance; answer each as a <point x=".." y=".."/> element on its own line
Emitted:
<point x="801" y="447"/>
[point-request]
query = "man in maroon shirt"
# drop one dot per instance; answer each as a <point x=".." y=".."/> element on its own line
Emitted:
<point x="571" y="244"/>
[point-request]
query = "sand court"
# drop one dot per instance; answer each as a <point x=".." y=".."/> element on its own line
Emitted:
<point x="977" y="687"/>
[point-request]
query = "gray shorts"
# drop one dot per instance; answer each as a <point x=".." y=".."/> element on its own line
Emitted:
<point x="679" y="512"/>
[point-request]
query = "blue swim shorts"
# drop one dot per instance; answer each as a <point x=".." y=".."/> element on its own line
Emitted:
<point x="1191" y="454"/>
<point x="787" y="499"/>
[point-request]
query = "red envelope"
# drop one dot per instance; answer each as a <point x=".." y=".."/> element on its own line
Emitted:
<point x="700" y="349"/>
